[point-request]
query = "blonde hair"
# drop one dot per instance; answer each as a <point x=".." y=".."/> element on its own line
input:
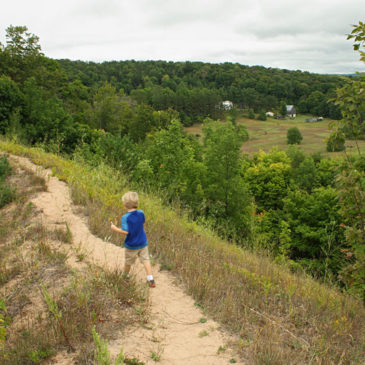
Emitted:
<point x="130" y="200"/>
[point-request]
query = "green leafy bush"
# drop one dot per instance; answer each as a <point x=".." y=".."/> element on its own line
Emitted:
<point x="294" y="136"/>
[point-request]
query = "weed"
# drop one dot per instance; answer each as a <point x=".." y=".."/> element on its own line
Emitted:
<point x="221" y="349"/>
<point x="203" y="333"/>
<point x="53" y="308"/>
<point x="4" y="322"/>
<point x="63" y="235"/>
<point x="37" y="356"/>
<point x="49" y="253"/>
<point x="156" y="355"/>
<point x="133" y="361"/>
<point x="203" y="320"/>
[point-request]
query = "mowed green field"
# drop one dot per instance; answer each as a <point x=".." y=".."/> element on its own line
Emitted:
<point x="264" y="135"/>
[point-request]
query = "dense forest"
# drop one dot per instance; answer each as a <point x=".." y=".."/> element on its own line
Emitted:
<point x="306" y="210"/>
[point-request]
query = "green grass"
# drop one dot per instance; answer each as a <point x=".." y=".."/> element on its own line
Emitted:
<point x="264" y="135"/>
<point x="280" y="317"/>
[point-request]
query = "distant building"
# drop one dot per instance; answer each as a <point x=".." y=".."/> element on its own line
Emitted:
<point x="269" y="114"/>
<point x="291" y="111"/>
<point x="227" y="105"/>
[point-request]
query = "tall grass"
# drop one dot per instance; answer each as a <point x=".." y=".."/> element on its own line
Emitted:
<point x="279" y="317"/>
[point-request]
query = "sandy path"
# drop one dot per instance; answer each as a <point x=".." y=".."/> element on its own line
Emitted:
<point x="174" y="333"/>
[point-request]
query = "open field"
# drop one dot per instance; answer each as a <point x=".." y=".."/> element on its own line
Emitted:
<point x="264" y="135"/>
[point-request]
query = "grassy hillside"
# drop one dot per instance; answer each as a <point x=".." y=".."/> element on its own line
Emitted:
<point x="279" y="317"/>
<point x="264" y="135"/>
<point x="51" y="298"/>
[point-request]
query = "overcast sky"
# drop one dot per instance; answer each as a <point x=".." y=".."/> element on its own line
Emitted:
<point x="308" y="35"/>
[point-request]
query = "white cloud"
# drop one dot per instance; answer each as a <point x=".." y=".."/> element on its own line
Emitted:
<point x="308" y="35"/>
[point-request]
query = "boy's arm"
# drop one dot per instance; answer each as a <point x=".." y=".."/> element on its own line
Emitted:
<point x="114" y="228"/>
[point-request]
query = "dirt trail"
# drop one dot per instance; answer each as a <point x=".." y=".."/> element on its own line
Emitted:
<point x="174" y="334"/>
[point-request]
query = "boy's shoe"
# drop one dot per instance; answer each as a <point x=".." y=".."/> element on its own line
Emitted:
<point x="151" y="283"/>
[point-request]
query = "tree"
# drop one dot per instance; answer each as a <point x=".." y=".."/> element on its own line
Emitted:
<point x="316" y="236"/>
<point x="294" y="136"/>
<point x="45" y="118"/>
<point x="226" y="193"/>
<point x="172" y="160"/>
<point x="22" y="54"/>
<point x="351" y="100"/>
<point x="283" y="110"/>
<point x="11" y="101"/>
<point x="106" y="108"/>
<point x="336" y="141"/>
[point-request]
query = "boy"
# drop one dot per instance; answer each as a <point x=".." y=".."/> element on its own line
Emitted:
<point x="136" y="240"/>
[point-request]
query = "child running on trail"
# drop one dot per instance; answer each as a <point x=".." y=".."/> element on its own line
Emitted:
<point x="135" y="243"/>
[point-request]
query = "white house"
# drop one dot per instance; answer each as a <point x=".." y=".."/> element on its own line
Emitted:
<point x="290" y="110"/>
<point x="227" y="105"/>
<point x="269" y="114"/>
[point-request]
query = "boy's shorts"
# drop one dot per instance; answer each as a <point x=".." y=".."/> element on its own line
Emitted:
<point x="131" y="255"/>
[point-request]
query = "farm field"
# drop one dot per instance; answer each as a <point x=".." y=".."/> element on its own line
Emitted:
<point x="264" y="135"/>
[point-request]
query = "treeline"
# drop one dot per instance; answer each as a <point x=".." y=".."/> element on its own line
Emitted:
<point x="194" y="89"/>
<point x="304" y="209"/>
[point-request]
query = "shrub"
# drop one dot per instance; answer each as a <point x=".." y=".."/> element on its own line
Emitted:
<point x="336" y="142"/>
<point x="294" y="136"/>
<point x="262" y="116"/>
<point x="5" y="168"/>
<point x="7" y="194"/>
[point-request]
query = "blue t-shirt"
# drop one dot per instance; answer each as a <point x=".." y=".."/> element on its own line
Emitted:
<point x="132" y="222"/>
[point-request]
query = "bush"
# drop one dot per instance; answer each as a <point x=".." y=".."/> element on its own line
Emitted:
<point x="5" y="168"/>
<point x="6" y="194"/>
<point x="336" y="142"/>
<point x="294" y="136"/>
<point x="262" y="116"/>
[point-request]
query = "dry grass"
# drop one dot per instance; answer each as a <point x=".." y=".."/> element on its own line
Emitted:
<point x="279" y="317"/>
<point x="31" y="266"/>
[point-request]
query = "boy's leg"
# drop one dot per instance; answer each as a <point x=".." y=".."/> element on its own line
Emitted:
<point x="127" y="268"/>
<point x="147" y="267"/>
<point x="145" y="259"/>
<point x="129" y="258"/>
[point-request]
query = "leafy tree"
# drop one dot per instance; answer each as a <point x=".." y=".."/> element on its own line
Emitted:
<point x="44" y="118"/>
<point x="351" y="100"/>
<point x="76" y="97"/>
<point x="336" y="141"/>
<point x="283" y="110"/>
<point x="106" y="108"/>
<point x="269" y="179"/>
<point x="262" y="116"/>
<point x="142" y="123"/>
<point x="294" y="136"/>
<point x="316" y="236"/>
<point x="305" y="174"/>
<point x="11" y="101"/>
<point x="22" y="58"/>
<point x="227" y="196"/>
<point x="172" y="161"/>
<point x="317" y="103"/>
